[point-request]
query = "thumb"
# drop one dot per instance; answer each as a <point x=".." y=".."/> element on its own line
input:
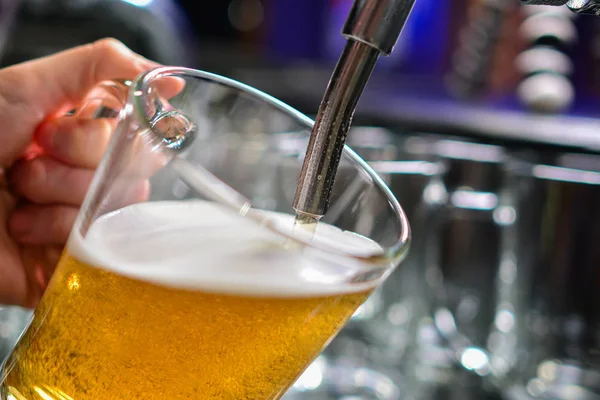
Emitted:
<point x="34" y="90"/>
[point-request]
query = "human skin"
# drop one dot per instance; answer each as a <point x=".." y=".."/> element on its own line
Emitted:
<point x="47" y="159"/>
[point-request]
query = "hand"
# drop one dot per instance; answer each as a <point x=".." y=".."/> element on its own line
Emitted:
<point x="48" y="159"/>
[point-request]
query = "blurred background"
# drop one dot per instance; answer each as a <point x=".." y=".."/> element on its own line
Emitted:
<point x="463" y="58"/>
<point x="483" y="121"/>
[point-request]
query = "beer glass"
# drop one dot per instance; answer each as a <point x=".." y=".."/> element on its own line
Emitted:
<point x="185" y="275"/>
<point x="462" y="250"/>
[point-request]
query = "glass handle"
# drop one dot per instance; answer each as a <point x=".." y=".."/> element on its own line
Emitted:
<point x="107" y="100"/>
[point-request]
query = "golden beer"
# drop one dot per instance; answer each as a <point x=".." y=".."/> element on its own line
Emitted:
<point x="179" y="300"/>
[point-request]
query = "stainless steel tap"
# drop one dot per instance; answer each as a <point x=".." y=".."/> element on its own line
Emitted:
<point x="372" y="28"/>
<point x="578" y="6"/>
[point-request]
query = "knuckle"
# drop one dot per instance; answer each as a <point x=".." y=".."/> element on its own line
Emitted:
<point x="87" y="142"/>
<point x="69" y="130"/>
<point x="103" y="52"/>
<point x="32" y="180"/>
<point x="108" y="47"/>
<point x="79" y="125"/>
<point x="71" y="139"/>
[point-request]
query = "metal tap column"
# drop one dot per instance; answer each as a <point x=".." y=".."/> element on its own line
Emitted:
<point x="372" y="28"/>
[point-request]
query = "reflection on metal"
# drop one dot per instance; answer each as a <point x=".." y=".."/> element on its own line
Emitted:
<point x="474" y="200"/>
<point x="584" y="6"/>
<point x="577" y="6"/>
<point x="139" y="3"/>
<point x="566" y="174"/>
<point x="372" y="29"/>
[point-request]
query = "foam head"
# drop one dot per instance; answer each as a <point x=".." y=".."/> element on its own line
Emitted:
<point x="201" y="245"/>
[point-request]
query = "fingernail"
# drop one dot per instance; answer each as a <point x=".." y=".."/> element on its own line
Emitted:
<point x="20" y="224"/>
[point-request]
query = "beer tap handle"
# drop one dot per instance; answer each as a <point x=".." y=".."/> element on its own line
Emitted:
<point x="577" y="6"/>
<point x="544" y="2"/>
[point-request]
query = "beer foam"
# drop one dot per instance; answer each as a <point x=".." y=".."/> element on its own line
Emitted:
<point x="200" y="245"/>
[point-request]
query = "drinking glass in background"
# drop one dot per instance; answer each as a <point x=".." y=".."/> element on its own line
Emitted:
<point x="545" y="343"/>
<point x="387" y="323"/>
<point x="449" y="188"/>
<point x="461" y="253"/>
<point x="370" y="357"/>
<point x="513" y="267"/>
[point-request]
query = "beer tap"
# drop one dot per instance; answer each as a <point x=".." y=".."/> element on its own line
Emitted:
<point x="371" y="29"/>
<point x="578" y="6"/>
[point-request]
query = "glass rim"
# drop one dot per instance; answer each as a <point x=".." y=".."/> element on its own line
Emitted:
<point x="394" y="253"/>
<point x="560" y="168"/>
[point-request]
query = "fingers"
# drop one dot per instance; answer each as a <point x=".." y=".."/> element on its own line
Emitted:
<point x="76" y="141"/>
<point x="72" y="147"/>
<point x="31" y="92"/>
<point x="44" y="180"/>
<point x="37" y="224"/>
<point x="39" y="262"/>
<point x="52" y="185"/>
<point x="47" y="259"/>
<point x="66" y="77"/>
<point x="168" y="87"/>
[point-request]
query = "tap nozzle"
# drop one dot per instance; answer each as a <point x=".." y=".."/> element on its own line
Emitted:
<point x="372" y="28"/>
<point x="377" y="23"/>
